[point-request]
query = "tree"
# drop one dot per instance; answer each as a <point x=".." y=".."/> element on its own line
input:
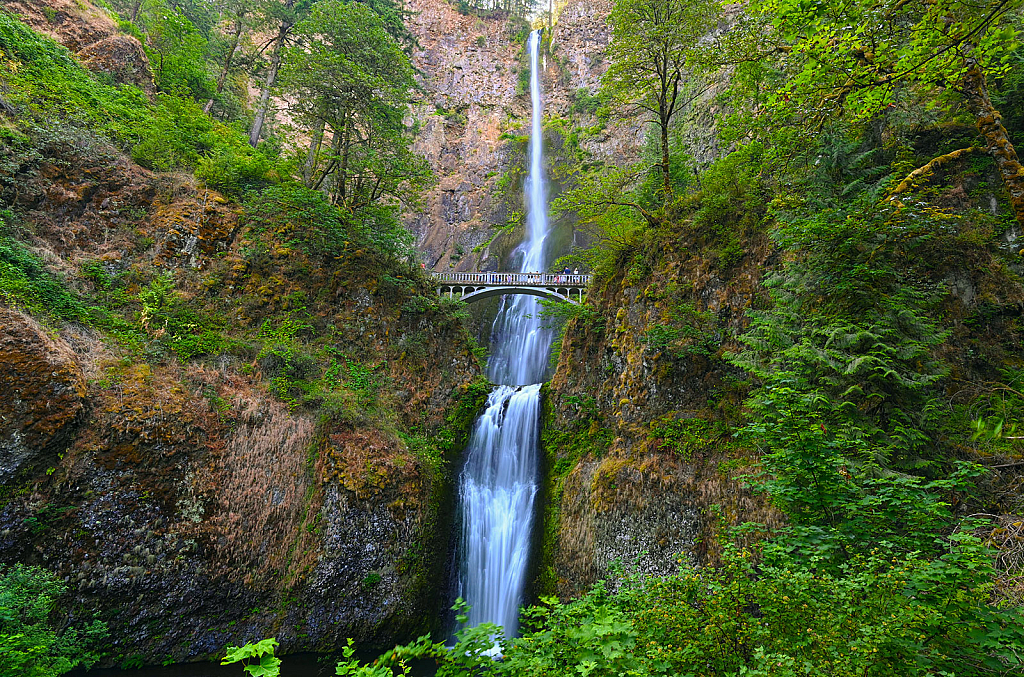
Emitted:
<point x="863" y="58"/>
<point x="177" y="52"/>
<point x="350" y="79"/>
<point x="656" y="46"/>
<point x="239" y="11"/>
<point x="286" y="15"/>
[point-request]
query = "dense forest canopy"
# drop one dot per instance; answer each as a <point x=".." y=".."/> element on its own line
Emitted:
<point x="881" y="414"/>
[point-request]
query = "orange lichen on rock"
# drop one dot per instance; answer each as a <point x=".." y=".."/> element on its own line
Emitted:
<point x="43" y="394"/>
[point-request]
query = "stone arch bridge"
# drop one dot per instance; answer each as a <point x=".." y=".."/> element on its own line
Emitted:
<point x="476" y="286"/>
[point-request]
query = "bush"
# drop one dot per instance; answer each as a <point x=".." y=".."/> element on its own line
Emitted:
<point x="234" y="167"/>
<point x="46" y="80"/>
<point x="25" y="282"/>
<point x="185" y="331"/>
<point x="299" y="217"/>
<point x="761" y="613"/>
<point x="30" y="644"/>
<point x="177" y="53"/>
<point x="178" y="134"/>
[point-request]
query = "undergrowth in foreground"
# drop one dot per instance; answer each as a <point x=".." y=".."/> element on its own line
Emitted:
<point x="767" y="611"/>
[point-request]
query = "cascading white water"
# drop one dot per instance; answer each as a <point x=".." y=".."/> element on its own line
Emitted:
<point x="498" y="488"/>
<point x="499" y="482"/>
<point x="519" y="344"/>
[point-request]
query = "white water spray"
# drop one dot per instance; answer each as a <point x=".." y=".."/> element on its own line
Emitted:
<point x="499" y="482"/>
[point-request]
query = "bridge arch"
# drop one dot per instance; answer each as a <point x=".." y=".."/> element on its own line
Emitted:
<point x="471" y="294"/>
<point x="476" y="286"/>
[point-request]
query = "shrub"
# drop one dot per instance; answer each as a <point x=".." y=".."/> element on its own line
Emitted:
<point x="762" y="613"/>
<point x="185" y="331"/>
<point x="30" y="644"/>
<point x="25" y="281"/>
<point x="173" y="132"/>
<point x="177" y="53"/>
<point x="300" y="217"/>
<point x="47" y="80"/>
<point x="234" y="167"/>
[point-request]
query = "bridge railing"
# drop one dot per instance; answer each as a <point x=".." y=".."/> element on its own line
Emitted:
<point x="523" y="279"/>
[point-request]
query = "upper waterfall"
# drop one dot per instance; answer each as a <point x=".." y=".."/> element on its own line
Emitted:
<point x="520" y="343"/>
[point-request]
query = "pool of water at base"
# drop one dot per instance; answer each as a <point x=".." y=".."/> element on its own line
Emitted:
<point x="295" y="665"/>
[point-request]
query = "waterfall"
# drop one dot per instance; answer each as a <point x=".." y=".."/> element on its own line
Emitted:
<point x="498" y="484"/>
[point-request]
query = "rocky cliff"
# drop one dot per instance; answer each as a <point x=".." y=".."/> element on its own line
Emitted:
<point x="639" y="413"/>
<point x="475" y="108"/>
<point x="642" y="463"/>
<point x="214" y="433"/>
<point x="91" y="34"/>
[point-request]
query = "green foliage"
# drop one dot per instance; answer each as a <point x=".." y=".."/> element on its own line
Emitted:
<point x="658" y="49"/>
<point x="325" y="229"/>
<point x="177" y="53"/>
<point x="611" y="209"/>
<point x="733" y="200"/>
<point x="43" y="77"/>
<point x="349" y="75"/>
<point x="279" y="209"/>
<point x="831" y="69"/>
<point x="690" y="437"/>
<point x="173" y="132"/>
<point x="762" y="613"/>
<point x="167" y="316"/>
<point x="558" y="314"/>
<point x="848" y="405"/>
<point x="279" y="340"/>
<point x="690" y="334"/>
<point x="585" y="103"/>
<point x="25" y="282"/>
<point x="257" y="659"/>
<point x="387" y="664"/>
<point x="855" y="322"/>
<point x="179" y="134"/>
<point x="233" y="167"/>
<point x="31" y="644"/>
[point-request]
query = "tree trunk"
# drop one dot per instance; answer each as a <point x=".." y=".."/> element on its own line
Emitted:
<point x="227" y="63"/>
<point x="343" y="171"/>
<point x="275" y="65"/>
<point x="990" y="124"/>
<point x="665" y="175"/>
<point x="335" y="152"/>
<point x="311" y="156"/>
<point x="135" y="10"/>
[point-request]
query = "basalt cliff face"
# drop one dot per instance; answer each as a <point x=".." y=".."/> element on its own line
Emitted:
<point x="641" y="465"/>
<point x="475" y="111"/>
<point x="197" y="502"/>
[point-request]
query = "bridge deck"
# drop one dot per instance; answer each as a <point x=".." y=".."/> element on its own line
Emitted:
<point x="476" y="286"/>
<point x="514" y="279"/>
